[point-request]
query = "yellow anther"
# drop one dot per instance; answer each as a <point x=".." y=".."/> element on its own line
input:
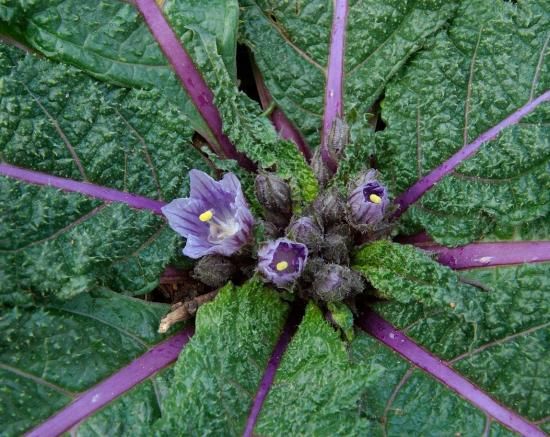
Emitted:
<point x="375" y="198"/>
<point x="206" y="216"/>
<point x="280" y="266"/>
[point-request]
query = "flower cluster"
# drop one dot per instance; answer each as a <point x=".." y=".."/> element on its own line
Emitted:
<point x="308" y="253"/>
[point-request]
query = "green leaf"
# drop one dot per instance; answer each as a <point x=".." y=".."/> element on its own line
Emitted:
<point x="403" y="400"/>
<point x="219" y="371"/>
<point x="381" y="36"/>
<point x="506" y="353"/>
<point x="109" y="40"/>
<point x="404" y="273"/>
<point x="50" y="354"/>
<point x="253" y="134"/>
<point x="61" y="122"/>
<point x="343" y="318"/>
<point x="354" y="160"/>
<point x="317" y="391"/>
<point x="485" y="66"/>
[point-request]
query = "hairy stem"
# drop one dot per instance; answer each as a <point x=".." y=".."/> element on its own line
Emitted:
<point x="92" y="190"/>
<point x="334" y="88"/>
<point x="285" y="128"/>
<point x="191" y="79"/>
<point x="383" y="331"/>
<point x="491" y="254"/>
<point x="157" y="358"/>
<point x="427" y="182"/>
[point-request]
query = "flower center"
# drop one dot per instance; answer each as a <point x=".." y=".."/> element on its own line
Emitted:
<point x="219" y="230"/>
<point x="282" y="265"/>
<point x="374" y="198"/>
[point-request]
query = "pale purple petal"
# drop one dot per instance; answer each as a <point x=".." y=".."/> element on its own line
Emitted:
<point x="230" y="183"/>
<point x="197" y="247"/>
<point x="182" y="215"/>
<point x="203" y="187"/>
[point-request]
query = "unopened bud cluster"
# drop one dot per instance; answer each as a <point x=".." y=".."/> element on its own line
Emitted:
<point x="319" y="241"/>
<point x="307" y="253"/>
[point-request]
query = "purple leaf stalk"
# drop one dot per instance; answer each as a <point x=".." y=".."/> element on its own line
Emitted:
<point x="491" y="254"/>
<point x="334" y="101"/>
<point x="86" y="188"/>
<point x="157" y="358"/>
<point x="383" y="331"/>
<point x="191" y="79"/>
<point x="285" y="128"/>
<point x="427" y="182"/>
<point x="215" y="219"/>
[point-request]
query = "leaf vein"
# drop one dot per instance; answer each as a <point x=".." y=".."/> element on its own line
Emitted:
<point x="498" y="342"/>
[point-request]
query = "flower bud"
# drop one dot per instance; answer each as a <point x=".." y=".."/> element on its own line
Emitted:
<point x="331" y="207"/>
<point x="369" y="201"/>
<point x="335" y="283"/>
<point x="213" y="270"/>
<point x="338" y="138"/>
<point x="282" y="261"/>
<point x="314" y="264"/>
<point x="320" y="169"/>
<point x="274" y="194"/>
<point x="305" y="230"/>
<point x="336" y="249"/>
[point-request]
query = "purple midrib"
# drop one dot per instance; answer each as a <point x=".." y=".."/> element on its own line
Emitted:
<point x="289" y="330"/>
<point x="334" y="88"/>
<point x="490" y="254"/>
<point x="190" y="77"/>
<point x="88" y="189"/>
<point x="386" y="333"/>
<point x="420" y="187"/>
<point x="157" y="358"/>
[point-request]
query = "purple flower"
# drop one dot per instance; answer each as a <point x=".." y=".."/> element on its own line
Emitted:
<point x="282" y="261"/>
<point x="214" y="219"/>
<point x="369" y="201"/>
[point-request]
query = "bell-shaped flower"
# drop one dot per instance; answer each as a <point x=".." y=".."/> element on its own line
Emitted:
<point x="368" y="202"/>
<point x="214" y="219"/>
<point x="282" y="261"/>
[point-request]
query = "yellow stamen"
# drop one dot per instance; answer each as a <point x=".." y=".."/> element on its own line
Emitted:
<point x="206" y="216"/>
<point x="375" y="199"/>
<point x="281" y="266"/>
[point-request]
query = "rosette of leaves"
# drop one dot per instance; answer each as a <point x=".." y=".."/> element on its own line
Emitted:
<point x="99" y="128"/>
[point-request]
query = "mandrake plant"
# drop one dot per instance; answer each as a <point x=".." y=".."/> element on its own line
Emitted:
<point x="374" y="268"/>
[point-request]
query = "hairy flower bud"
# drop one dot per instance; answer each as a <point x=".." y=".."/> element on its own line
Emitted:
<point x="331" y="207"/>
<point x="335" y="283"/>
<point x="320" y="169"/>
<point x="314" y="264"/>
<point x="214" y="270"/>
<point x="282" y="261"/>
<point x="368" y="202"/>
<point x="336" y="249"/>
<point x="274" y="194"/>
<point x="305" y="230"/>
